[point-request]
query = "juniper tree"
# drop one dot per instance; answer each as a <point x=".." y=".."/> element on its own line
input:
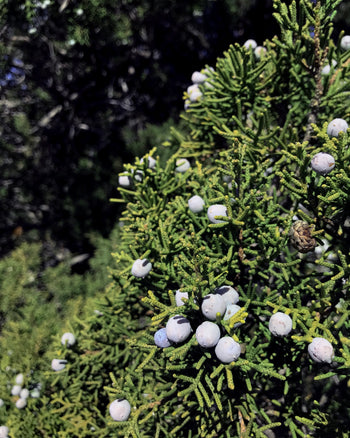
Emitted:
<point x="271" y="228"/>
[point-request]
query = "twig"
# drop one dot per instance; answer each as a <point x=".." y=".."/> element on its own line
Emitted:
<point x="317" y="71"/>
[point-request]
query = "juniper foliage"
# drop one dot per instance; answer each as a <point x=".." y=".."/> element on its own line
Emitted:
<point x="38" y="303"/>
<point x="251" y="138"/>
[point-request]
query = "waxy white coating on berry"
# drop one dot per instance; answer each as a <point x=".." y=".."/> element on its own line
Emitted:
<point x="213" y="304"/>
<point x="227" y="350"/>
<point x="58" y="364"/>
<point x="19" y="379"/>
<point x="194" y="93"/>
<point x="322" y="163"/>
<point x="24" y="393"/>
<point x="1" y="402"/>
<point x="228" y="293"/>
<point x="151" y="162"/>
<point x="198" y="77"/>
<point x="250" y="44"/>
<point x="345" y="42"/>
<point x="124" y="181"/>
<point x="120" y="410"/>
<point x="21" y="403"/>
<point x="178" y="298"/>
<point x="280" y="324"/>
<point x="336" y="126"/>
<point x="327" y="68"/>
<point x="178" y="329"/>
<point x="16" y="389"/>
<point x="259" y="51"/>
<point x="137" y="175"/>
<point x="216" y="210"/>
<point x="4" y="430"/>
<point x="208" y="334"/>
<point x="68" y="339"/>
<point x="35" y="393"/>
<point x="182" y="165"/>
<point x="231" y="310"/>
<point x="160" y="338"/>
<point x="321" y="350"/>
<point x="141" y="268"/>
<point x="196" y="204"/>
<point x="192" y="88"/>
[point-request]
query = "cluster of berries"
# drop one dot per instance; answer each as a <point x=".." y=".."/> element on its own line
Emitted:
<point x="193" y="92"/>
<point x="208" y="334"/>
<point x="17" y="390"/>
<point x="20" y="394"/>
<point x="322" y="162"/>
<point x="259" y="51"/>
<point x="127" y="180"/>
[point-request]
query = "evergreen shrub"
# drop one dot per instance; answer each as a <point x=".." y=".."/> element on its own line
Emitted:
<point x="281" y="242"/>
<point x="38" y="305"/>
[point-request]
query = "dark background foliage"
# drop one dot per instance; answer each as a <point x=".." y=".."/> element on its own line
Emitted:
<point x="80" y="81"/>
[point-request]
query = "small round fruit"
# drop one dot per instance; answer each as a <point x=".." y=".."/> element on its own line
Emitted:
<point x="137" y="175"/>
<point x="216" y="210"/>
<point x="120" y="409"/>
<point x="327" y="68"/>
<point x="35" y="393"/>
<point x="250" y="44"/>
<point x="160" y="338"/>
<point x="212" y="305"/>
<point x="228" y="293"/>
<point x="58" y="364"/>
<point x="227" y="350"/>
<point x="336" y="126"/>
<point x="178" y="298"/>
<point x="321" y="350"/>
<point x="124" y="181"/>
<point x="24" y="393"/>
<point x="151" y="162"/>
<point x="194" y="93"/>
<point x="21" y="403"/>
<point x="1" y="402"/>
<point x="345" y="42"/>
<point x="198" y="77"/>
<point x="68" y="339"/>
<point x="19" y="379"/>
<point x="4" y="430"/>
<point x="182" y="165"/>
<point x="16" y="389"/>
<point x="231" y="310"/>
<point x="280" y="324"/>
<point x="178" y="329"/>
<point x="196" y="204"/>
<point x="322" y="163"/>
<point x="259" y="51"/>
<point x="208" y="334"/>
<point x="141" y="268"/>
